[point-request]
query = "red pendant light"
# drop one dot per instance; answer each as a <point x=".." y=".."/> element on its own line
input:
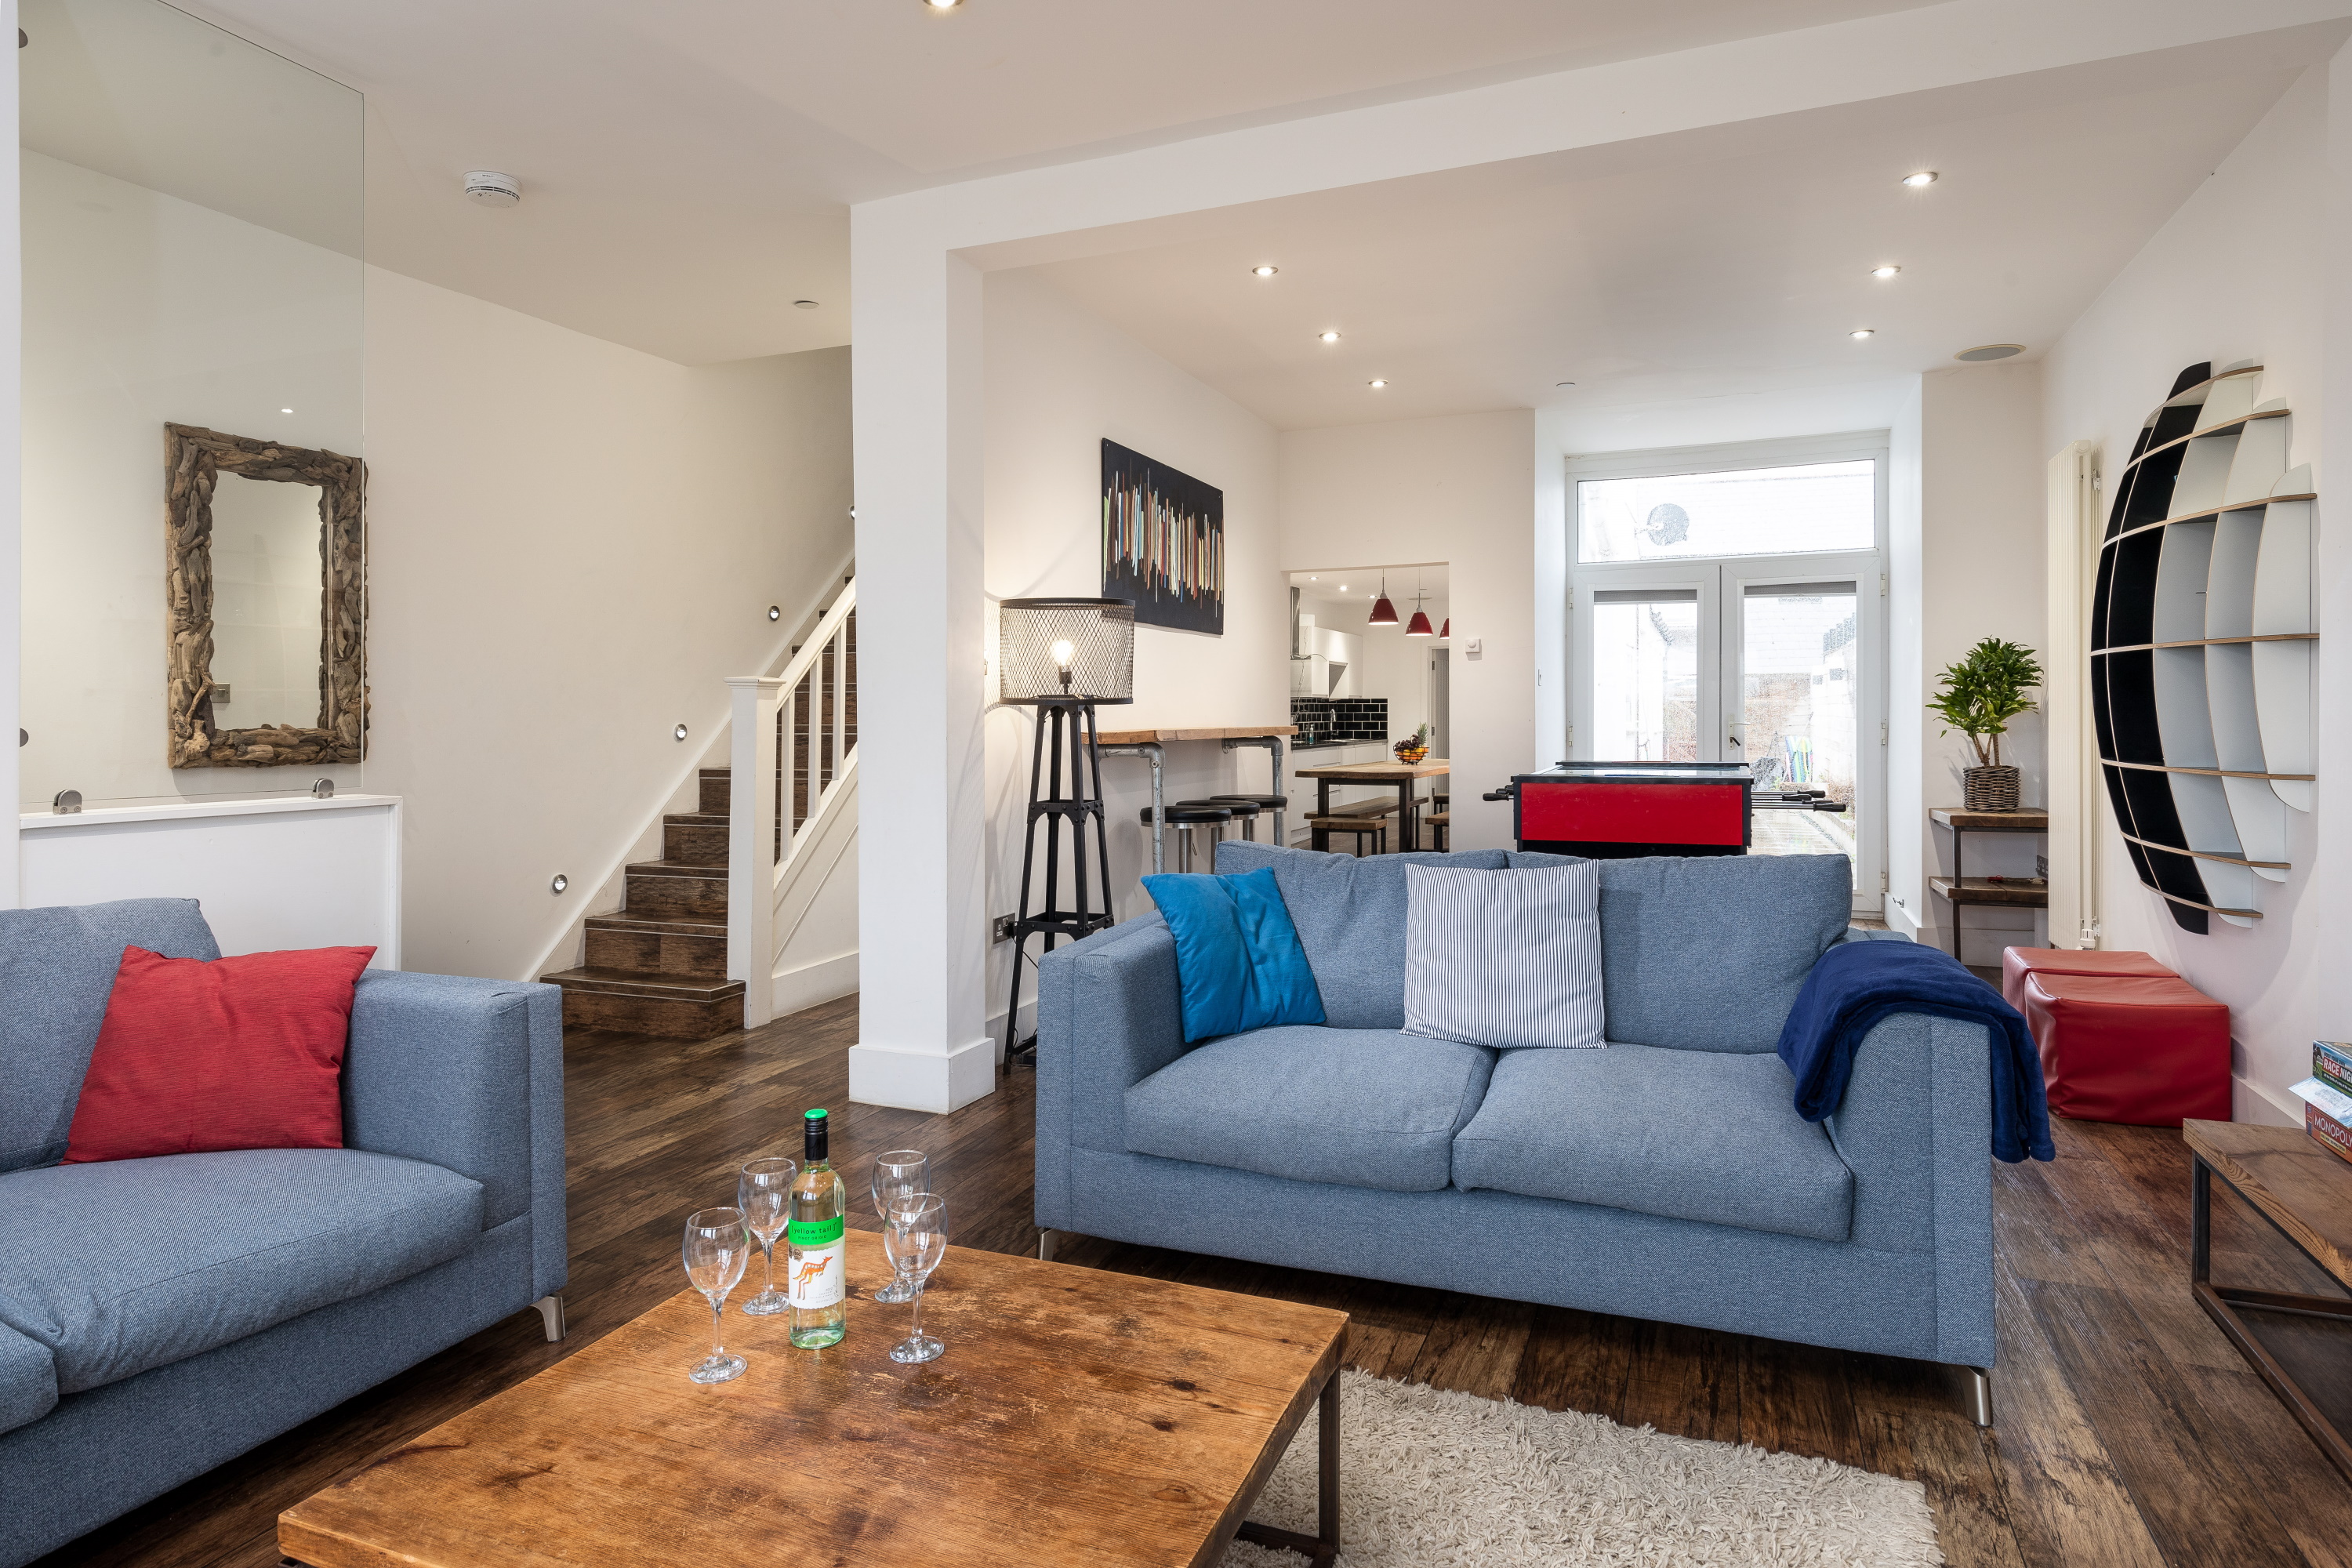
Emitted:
<point x="1446" y="630"/>
<point x="1384" y="613"/>
<point x="1419" y="626"/>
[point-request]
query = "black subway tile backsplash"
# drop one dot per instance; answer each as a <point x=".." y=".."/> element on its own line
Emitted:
<point x="1340" y="721"/>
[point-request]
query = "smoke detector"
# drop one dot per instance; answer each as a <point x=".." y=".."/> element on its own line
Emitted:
<point x="491" y="188"/>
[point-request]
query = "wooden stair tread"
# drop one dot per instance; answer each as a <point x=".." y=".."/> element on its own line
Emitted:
<point x="657" y="925"/>
<point x="696" y="818"/>
<point x="716" y="772"/>
<point x="675" y="868"/>
<point x="630" y="983"/>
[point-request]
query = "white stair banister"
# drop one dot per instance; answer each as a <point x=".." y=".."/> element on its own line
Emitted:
<point x="766" y="827"/>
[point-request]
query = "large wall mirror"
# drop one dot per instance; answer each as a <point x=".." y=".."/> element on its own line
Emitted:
<point x="265" y="583"/>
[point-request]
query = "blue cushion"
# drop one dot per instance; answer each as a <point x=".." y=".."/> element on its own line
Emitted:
<point x="56" y="970"/>
<point x="1707" y="952"/>
<point x="1238" y="961"/>
<point x="132" y="1263"/>
<point x="1351" y="917"/>
<point x="28" y="1381"/>
<point x="1685" y="1134"/>
<point x="1364" y="1108"/>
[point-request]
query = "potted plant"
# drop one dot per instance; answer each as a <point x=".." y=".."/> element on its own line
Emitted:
<point x="1978" y="697"/>
<point x="1413" y="747"/>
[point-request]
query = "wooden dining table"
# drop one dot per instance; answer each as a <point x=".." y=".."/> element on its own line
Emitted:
<point x="1406" y="776"/>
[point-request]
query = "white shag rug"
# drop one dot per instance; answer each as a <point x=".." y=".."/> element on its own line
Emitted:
<point x="1435" y="1479"/>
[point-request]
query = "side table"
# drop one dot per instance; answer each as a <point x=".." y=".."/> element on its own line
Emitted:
<point x="1959" y="889"/>
<point x="2305" y="1192"/>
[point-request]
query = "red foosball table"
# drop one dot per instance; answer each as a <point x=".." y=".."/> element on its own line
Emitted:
<point x="1619" y="810"/>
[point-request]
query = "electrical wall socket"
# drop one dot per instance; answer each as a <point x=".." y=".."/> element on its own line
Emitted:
<point x="1001" y="928"/>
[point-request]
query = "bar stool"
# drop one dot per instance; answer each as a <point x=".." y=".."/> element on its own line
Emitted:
<point x="1258" y="803"/>
<point x="1244" y="811"/>
<point x="1185" y="818"/>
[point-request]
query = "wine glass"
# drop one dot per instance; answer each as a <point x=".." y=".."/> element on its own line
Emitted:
<point x="763" y="1191"/>
<point x="718" y="1246"/>
<point x="901" y="1173"/>
<point x="916" y="1239"/>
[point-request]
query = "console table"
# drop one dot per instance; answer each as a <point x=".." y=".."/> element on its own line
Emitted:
<point x="2305" y="1192"/>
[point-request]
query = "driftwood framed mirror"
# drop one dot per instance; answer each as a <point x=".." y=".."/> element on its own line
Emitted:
<point x="266" y="601"/>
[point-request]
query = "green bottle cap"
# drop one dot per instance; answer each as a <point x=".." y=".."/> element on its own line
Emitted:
<point x="816" y="1115"/>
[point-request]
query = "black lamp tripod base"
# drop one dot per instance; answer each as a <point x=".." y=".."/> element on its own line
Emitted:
<point x="1074" y="754"/>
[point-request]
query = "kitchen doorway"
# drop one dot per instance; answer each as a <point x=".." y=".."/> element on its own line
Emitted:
<point x="1728" y="605"/>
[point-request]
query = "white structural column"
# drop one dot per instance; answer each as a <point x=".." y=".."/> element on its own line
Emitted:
<point x="922" y="653"/>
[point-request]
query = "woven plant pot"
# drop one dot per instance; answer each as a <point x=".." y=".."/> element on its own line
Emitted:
<point x="1989" y="789"/>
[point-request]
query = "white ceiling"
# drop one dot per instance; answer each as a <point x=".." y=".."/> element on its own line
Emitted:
<point x="686" y="167"/>
<point x="1721" y="266"/>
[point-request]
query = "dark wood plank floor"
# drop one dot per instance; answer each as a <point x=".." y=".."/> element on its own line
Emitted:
<point x="2129" y="1432"/>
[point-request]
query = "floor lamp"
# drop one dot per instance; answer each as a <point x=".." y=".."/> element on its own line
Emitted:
<point x="1062" y="656"/>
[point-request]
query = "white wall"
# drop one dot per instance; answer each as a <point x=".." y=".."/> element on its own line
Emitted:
<point x="2250" y="268"/>
<point x="1059" y="380"/>
<point x="1980" y="566"/>
<point x="571" y="545"/>
<point x="1462" y="489"/>
<point x="11" y="488"/>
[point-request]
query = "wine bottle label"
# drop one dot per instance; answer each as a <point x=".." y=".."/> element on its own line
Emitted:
<point x="816" y="1278"/>
<point x="816" y="1232"/>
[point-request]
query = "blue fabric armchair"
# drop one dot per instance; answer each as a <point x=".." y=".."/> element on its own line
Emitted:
<point x="160" y="1316"/>
<point x="1667" y="1176"/>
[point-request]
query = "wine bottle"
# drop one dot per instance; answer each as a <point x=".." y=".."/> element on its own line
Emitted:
<point x="818" y="1254"/>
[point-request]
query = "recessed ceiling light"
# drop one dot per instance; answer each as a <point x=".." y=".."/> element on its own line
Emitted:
<point x="804" y="304"/>
<point x="1924" y="177"/>
<point x="1889" y="270"/>
<point x="1983" y="352"/>
<point x="1861" y="332"/>
<point x="286" y="411"/>
<point x="1329" y="337"/>
<point x="1264" y="271"/>
<point x="1377" y="382"/>
<point x="1343" y="587"/>
<point x="941" y="4"/>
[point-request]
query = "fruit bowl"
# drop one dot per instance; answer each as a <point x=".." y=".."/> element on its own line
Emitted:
<point x="1406" y="751"/>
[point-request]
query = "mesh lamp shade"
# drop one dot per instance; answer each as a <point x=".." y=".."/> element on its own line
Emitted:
<point x="1041" y="641"/>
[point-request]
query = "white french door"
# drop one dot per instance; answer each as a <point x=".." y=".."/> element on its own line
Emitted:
<point x="1764" y="661"/>
<point x="1775" y="658"/>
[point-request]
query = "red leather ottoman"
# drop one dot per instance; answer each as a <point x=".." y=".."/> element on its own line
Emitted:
<point x="2017" y="962"/>
<point x="2145" y="1049"/>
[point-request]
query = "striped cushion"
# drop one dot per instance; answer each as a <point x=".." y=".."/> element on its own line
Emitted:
<point x="1504" y="958"/>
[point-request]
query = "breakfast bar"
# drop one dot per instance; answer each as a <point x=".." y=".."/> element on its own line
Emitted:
<point x="1150" y="743"/>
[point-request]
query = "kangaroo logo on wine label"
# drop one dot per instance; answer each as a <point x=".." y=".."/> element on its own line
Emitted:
<point x="815" y="1278"/>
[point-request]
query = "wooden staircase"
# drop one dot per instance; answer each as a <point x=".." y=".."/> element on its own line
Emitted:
<point x="660" y="966"/>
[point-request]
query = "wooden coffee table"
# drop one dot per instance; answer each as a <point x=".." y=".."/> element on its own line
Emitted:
<point x="1078" y="1416"/>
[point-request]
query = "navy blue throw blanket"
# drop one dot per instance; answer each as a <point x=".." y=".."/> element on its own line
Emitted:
<point x="1857" y="984"/>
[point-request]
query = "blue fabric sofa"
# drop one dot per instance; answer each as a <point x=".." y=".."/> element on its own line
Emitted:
<point x="160" y="1316"/>
<point x="1667" y="1176"/>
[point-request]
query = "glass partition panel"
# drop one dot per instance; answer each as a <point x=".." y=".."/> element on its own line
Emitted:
<point x="191" y="239"/>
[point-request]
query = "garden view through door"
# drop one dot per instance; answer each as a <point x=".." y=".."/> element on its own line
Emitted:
<point x="1733" y="616"/>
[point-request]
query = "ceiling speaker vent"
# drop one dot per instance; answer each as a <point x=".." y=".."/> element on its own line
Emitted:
<point x="1983" y="352"/>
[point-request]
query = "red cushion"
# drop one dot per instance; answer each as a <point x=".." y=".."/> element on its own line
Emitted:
<point x="2017" y="962"/>
<point x="239" y="1053"/>
<point x="2139" y="1049"/>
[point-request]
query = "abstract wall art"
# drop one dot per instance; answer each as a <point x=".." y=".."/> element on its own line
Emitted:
<point x="1163" y="542"/>
<point x="2202" y="647"/>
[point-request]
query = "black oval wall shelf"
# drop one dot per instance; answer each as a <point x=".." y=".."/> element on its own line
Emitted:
<point x="2202" y="647"/>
